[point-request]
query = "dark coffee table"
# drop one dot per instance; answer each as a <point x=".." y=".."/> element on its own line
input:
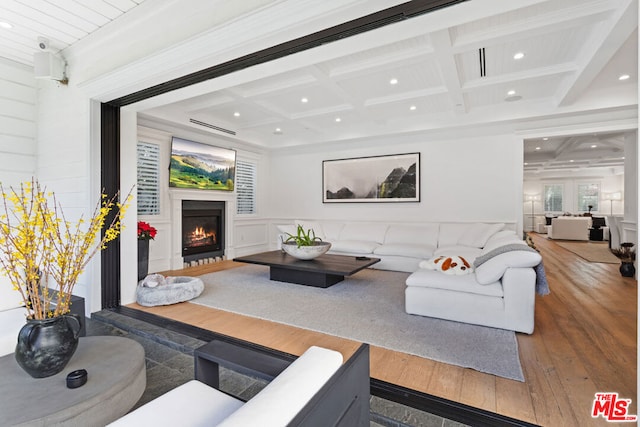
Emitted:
<point x="321" y="272"/>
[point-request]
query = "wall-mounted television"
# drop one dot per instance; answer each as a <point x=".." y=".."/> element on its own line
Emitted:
<point x="201" y="166"/>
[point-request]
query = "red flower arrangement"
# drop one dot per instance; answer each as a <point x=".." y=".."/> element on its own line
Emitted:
<point x="146" y="231"/>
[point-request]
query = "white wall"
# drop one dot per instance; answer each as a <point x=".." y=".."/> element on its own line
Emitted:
<point x="64" y="164"/>
<point x="467" y="179"/>
<point x="17" y="123"/>
<point x="17" y="140"/>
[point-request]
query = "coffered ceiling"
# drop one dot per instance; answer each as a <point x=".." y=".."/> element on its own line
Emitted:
<point x="556" y="156"/>
<point x="495" y="62"/>
<point x="416" y="75"/>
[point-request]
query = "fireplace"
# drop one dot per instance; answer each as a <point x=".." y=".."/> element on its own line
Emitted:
<point x="202" y="229"/>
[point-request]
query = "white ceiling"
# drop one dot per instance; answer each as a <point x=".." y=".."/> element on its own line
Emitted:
<point x="559" y="156"/>
<point x="574" y="52"/>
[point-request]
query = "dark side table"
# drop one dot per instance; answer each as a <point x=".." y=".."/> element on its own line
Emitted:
<point x="596" y="234"/>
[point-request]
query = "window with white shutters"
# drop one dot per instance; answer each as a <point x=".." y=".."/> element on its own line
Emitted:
<point x="148" y="179"/>
<point x="246" y="187"/>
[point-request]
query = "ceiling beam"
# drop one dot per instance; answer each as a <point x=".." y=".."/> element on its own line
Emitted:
<point x="611" y="36"/>
<point x="557" y="20"/>
<point x="445" y="58"/>
<point x="357" y="26"/>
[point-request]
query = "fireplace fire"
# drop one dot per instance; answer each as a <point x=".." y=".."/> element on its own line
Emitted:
<point x="202" y="227"/>
<point x="200" y="237"/>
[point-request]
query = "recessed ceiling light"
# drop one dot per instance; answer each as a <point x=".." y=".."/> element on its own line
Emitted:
<point x="622" y="158"/>
<point x="338" y="119"/>
<point x="518" y="55"/>
<point x="236" y="114"/>
<point x="545" y="139"/>
<point x="511" y="92"/>
<point x="537" y="148"/>
<point x="624" y="77"/>
<point x="278" y="131"/>
<point x="526" y="164"/>
<point x="5" y="25"/>
<point x="570" y="161"/>
<point x="393" y="81"/>
<point x="412" y="108"/>
<point x="304" y="100"/>
<point x="594" y="146"/>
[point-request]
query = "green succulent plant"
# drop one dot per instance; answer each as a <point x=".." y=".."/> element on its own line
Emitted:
<point x="302" y="238"/>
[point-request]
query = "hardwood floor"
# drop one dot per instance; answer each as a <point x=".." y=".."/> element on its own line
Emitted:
<point x="585" y="341"/>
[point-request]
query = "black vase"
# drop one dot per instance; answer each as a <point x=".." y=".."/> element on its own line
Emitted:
<point x="45" y="346"/>
<point x="143" y="259"/>
<point x="627" y="269"/>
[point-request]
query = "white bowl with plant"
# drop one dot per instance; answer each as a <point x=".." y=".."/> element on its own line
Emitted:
<point x="305" y="245"/>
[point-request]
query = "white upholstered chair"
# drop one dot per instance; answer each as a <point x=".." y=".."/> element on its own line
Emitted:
<point x="316" y="389"/>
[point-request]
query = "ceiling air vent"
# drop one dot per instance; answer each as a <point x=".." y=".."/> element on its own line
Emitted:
<point x="483" y="62"/>
<point x="210" y="126"/>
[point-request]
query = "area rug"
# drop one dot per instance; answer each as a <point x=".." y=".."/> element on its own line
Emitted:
<point x="591" y="251"/>
<point x="366" y="307"/>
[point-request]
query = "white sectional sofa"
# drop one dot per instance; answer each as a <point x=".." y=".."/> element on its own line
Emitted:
<point x="400" y="247"/>
<point x="500" y="293"/>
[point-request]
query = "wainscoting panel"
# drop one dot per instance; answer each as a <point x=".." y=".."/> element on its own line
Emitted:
<point x="251" y="237"/>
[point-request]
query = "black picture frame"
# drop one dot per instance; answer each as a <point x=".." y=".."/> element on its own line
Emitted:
<point x="391" y="178"/>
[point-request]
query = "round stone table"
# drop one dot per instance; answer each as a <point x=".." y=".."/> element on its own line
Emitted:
<point x="116" y="379"/>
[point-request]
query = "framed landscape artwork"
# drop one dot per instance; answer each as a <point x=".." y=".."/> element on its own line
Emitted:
<point x="391" y="178"/>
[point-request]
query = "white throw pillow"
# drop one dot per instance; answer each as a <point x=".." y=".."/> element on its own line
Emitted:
<point x="493" y="269"/>
<point x="501" y="235"/>
<point x="412" y="234"/>
<point x="372" y="232"/>
<point x="332" y="230"/>
<point x="452" y="265"/>
<point x="477" y="235"/>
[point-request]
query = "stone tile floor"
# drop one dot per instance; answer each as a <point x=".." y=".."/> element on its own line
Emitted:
<point x="169" y="359"/>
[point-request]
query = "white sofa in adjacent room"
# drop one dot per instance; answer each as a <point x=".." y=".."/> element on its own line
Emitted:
<point x="570" y="228"/>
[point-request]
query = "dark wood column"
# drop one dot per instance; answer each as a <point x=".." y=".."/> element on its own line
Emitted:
<point x="110" y="183"/>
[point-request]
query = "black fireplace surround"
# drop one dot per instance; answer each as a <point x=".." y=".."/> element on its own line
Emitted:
<point x="202" y="229"/>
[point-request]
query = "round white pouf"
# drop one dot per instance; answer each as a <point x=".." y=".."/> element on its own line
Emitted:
<point x="173" y="290"/>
